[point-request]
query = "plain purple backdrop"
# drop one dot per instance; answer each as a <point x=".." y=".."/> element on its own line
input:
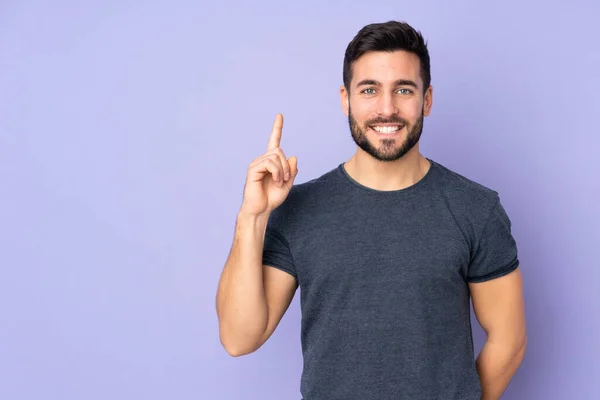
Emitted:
<point x="125" y="135"/>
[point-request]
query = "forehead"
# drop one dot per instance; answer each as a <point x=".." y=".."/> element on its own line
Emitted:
<point x="387" y="67"/>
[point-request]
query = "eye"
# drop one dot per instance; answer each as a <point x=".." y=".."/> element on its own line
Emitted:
<point x="405" y="91"/>
<point x="366" y="91"/>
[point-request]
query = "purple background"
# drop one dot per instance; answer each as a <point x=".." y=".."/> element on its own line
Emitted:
<point x="126" y="131"/>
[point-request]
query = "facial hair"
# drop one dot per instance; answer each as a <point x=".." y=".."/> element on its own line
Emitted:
<point x="387" y="150"/>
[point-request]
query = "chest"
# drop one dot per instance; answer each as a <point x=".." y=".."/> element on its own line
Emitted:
<point x="411" y="249"/>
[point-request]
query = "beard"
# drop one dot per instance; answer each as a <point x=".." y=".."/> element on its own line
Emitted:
<point x="387" y="149"/>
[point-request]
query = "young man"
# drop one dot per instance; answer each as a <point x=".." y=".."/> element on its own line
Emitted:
<point x="387" y="249"/>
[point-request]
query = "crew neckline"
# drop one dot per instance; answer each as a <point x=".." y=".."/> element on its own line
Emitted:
<point x="341" y="168"/>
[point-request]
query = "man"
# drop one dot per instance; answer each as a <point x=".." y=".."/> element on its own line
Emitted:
<point x="387" y="249"/>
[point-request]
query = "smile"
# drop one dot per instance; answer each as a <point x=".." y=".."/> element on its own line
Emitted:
<point x="386" y="129"/>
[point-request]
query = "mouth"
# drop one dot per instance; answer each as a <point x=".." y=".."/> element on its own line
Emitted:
<point x="387" y="130"/>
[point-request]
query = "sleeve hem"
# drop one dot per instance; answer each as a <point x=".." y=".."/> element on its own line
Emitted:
<point x="281" y="268"/>
<point x="496" y="274"/>
<point x="273" y="260"/>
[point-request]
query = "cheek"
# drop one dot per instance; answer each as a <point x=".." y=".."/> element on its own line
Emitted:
<point x="362" y="111"/>
<point x="412" y="112"/>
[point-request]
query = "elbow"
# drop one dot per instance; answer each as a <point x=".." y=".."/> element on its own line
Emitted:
<point x="240" y="339"/>
<point x="521" y="349"/>
<point x="235" y="348"/>
<point x="516" y="350"/>
<point x="512" y="347"/>
<point x="234" y="352"/>
<point x="237" y="351"/>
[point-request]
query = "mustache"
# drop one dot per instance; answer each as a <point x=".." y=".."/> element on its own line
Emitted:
<point x="392" y="120"/>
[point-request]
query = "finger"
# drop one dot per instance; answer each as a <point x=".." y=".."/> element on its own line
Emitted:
<point x="273" y="165"/>
<point x="278" y="152"/>
<point x="285" y="165"/>
<point x="279" y="176"/>
<point x="276" y="132"/>
<point x="259" y="170"/>
<point x="293" y="162"/>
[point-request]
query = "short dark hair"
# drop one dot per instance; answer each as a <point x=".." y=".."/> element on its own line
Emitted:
<point x="387" y="36"/>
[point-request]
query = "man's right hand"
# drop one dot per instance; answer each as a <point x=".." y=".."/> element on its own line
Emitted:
<point x="270" y="177"/>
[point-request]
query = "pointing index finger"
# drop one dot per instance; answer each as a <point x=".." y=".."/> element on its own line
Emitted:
<point x="276" y="133"/>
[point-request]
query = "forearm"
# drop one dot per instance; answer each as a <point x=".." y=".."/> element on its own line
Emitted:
<point x="497" y="363"/>
<point x="241" y="304"/>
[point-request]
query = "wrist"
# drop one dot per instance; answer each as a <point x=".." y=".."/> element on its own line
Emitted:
<point x="252" y="218"/>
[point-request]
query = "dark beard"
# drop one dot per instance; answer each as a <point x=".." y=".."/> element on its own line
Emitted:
<point x="385" y="151"/>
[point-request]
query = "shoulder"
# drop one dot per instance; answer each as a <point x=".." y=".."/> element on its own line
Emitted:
<point x="464" y="195"/>
<point x="461" y="187"/>
<point x="459" y="183"/>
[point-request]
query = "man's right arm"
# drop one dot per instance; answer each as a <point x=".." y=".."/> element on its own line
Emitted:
<point x="251" y="298"/>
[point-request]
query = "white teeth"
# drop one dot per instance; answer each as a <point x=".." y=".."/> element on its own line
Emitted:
<point x="386" y="129"/>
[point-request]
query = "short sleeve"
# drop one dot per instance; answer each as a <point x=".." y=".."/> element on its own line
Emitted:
<point x="276" y="251"/>
<point x="496" y="252"/>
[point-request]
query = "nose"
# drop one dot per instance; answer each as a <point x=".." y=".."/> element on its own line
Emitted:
<point x="386" y="105"/>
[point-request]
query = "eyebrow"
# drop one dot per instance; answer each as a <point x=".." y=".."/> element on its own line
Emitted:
<point x="399" y="82"/>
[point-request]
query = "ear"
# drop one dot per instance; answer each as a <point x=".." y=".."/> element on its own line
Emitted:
<point x="428" y="101"/>
<point x="344" y="100"/>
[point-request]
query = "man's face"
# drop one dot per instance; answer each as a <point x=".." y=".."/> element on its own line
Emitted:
<point x="386" y="104"/>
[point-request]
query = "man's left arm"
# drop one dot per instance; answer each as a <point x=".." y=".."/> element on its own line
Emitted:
<point x="499" y="308"/>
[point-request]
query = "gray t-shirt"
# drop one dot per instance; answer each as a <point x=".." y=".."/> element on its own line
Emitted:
<point x="383" y="277"/>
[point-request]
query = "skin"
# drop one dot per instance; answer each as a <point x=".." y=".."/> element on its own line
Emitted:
<point x="253" y="298"/>
<point x="395" y="95"/>
<point x="500" y="310"/>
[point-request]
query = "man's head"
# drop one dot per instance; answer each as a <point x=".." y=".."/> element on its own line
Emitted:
<point x="386" y="91"/>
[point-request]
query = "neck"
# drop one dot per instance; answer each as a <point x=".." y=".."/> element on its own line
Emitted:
<point x="387" y="175"/>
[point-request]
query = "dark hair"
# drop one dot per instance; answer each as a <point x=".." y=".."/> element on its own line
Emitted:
<point x="387" y="36"/>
